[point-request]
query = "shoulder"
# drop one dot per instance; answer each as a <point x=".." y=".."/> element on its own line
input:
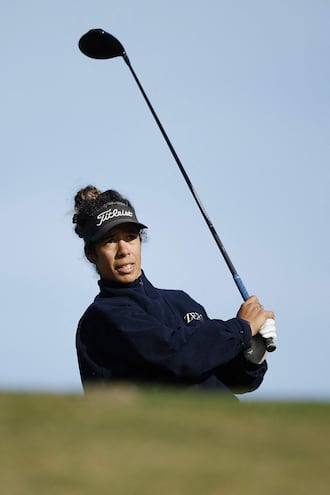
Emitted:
<point x="183" y="301"/>
<point x="177" y="295"/>
<point x="100" y="311"/>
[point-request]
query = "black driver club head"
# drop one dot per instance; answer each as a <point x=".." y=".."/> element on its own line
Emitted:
<point x="97" y="43"/>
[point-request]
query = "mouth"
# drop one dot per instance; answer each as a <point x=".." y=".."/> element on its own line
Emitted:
<point x="125" y="269"/>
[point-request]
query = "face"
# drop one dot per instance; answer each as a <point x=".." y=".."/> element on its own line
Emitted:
<point x="118" y="255"/>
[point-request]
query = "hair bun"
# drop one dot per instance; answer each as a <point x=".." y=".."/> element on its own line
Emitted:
<point x="88" y="193"/>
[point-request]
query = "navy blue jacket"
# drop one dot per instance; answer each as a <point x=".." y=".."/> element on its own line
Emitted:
<point x="140" y="334"/>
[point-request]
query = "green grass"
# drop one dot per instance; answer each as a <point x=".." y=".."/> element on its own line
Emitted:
<point x="124" y="441"/>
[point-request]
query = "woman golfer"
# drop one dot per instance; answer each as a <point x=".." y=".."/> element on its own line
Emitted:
<point x="136" y="333"/>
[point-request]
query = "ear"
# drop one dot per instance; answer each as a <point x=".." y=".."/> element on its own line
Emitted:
<point x="90" y="255"/>
<point x="91" y="258"/>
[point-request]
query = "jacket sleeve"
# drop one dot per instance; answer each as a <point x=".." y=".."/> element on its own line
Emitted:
<point x="189" y="352"/>
<point x="240" y="376"/>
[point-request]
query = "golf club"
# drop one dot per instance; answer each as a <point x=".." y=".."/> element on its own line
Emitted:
<point x="99" y="44"/>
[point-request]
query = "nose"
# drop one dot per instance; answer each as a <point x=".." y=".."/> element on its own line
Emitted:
<point x="123" y="249"/>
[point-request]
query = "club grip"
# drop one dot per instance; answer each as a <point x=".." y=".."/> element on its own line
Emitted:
<point x="241" y="287"/>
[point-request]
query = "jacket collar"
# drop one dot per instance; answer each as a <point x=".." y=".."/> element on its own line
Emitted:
<point x="107" y="287"/>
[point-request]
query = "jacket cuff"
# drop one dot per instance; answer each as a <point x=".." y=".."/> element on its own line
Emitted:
<point x="244" y="333"/>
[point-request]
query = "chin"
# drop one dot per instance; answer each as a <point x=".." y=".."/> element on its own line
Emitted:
<point x="128" y="278"/>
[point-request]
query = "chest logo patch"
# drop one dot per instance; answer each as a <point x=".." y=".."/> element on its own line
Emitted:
<point x="189" y="317"/>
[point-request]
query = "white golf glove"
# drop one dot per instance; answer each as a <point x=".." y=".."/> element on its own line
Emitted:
<point x="268" y="330"/>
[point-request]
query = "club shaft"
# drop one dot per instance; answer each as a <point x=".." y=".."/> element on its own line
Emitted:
<point x="270" y="345"/>
<point x="193" y="191"/>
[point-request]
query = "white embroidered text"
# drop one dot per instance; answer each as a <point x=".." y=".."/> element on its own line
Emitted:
<point x="112" y="213"/>
<point x="193" y="316"/>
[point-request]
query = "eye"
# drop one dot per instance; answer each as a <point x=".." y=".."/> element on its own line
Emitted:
<point x="131" y="237"/>
<point x="109" y="240"/>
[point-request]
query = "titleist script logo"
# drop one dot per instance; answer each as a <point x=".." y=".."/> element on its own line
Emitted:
<point x="193" y="316"/>
<point x="112" y="213"/>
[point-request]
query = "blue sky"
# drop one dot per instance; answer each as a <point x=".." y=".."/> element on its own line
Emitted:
<point x="242" y="89"/>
